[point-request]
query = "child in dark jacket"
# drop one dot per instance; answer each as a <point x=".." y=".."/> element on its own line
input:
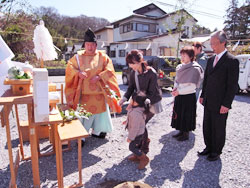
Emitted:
<point x="135" y="124"/>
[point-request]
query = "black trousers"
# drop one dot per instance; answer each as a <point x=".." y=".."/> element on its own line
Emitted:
<point x="145" y="142"/>
<point x="135" y="145"/>
<point x="149" y="116"/>
<point x="214" y="130"/>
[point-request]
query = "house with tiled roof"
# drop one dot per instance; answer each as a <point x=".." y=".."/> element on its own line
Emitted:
<point x="151" y="30"/>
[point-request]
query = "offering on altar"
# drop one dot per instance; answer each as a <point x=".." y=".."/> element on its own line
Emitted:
<point x="19" y="80"/>
<point x="69" y="114"/>
<point x="18" y="73"/>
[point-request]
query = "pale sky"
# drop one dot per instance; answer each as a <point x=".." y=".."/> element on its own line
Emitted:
<point x="209" y="13"/>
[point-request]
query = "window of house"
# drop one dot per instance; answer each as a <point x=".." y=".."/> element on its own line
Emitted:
<point x="186" y="30"/>
<point x="116" y="25"/>
<point x="142" y="27"/>
<point x="112" y="53"/>
<point x="133" y="26"/>
<point x="126" y="28"/>
<point x="98" y="37"/>
<point x="121" y="29"/>
<point x="122" y="53"/>
<point x="152" y="28"/>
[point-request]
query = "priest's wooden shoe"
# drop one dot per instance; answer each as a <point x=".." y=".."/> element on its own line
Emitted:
<point x="102" y="135"/>
<point x="82" y="143"/>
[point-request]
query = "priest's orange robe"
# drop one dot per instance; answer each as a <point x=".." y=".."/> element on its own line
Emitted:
<point x="92" y="96"/>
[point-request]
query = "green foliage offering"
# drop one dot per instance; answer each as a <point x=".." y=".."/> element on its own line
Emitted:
<point x="24" y="76"/>
<point x="17" y="73"/>
<point x="69" y="114"/>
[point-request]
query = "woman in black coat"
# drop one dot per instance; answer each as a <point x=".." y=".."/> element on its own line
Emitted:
<point x="143" y="80"/>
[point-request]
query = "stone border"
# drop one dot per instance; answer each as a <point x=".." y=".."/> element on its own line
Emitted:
<point x="56" y="72"/>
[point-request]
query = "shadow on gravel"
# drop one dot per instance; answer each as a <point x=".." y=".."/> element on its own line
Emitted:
<point x="70" y="160"/>
<point x="14" y="143"/>
<point x="243" y="97"/>
<point x="166" y="164"/>
<point x="204" y="174"/>
<point x="6" y="174"/>
<point x="47" y="165"/>
<point x="124" y="171"/>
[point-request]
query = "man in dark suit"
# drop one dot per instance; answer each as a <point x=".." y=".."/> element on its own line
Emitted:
<point x="219" y="88"/>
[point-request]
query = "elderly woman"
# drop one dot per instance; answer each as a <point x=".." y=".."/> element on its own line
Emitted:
<point x="188" y="78"/>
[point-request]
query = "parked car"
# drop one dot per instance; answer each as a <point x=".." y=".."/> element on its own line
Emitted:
<point x="164" y="66"/>
<point x="244" y="74"/>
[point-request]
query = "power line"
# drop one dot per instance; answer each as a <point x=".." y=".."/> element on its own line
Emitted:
<point x="191" y="10"/>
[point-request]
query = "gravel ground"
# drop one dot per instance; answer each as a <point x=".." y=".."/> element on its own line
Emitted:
<point x="173" y="164"/>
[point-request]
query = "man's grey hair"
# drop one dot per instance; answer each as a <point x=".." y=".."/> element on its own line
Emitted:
<point x="221" y="35"/>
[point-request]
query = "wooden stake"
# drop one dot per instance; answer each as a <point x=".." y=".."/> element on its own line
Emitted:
<point x="42" y="64"/>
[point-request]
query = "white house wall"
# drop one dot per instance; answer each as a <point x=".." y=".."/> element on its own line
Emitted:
<point x="190" y="24"/>
<point x="154" y="13"/>
<point x="129" y="46"/>
<point x="169" y="41"/>
<point x="110" y="35"/>
<point x="117" y="36"/>
<point x="169" y="23"/>
<point x="103" y="37"/>
<point x="116" y="47"/>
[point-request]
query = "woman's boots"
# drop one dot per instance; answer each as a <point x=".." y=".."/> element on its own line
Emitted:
<point x="178" y="134"/>
<point x="183" y="137"/>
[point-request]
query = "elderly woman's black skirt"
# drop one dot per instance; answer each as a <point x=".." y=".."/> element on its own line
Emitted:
<point x="184" y="113"/>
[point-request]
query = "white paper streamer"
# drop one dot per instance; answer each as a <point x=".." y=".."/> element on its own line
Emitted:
<point x="44" y="47"/>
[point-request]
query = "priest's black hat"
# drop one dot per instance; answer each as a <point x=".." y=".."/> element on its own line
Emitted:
<point x="89" y="36"/>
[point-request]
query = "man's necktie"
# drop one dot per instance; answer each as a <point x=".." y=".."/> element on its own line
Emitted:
<point x="215" y="60"/>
